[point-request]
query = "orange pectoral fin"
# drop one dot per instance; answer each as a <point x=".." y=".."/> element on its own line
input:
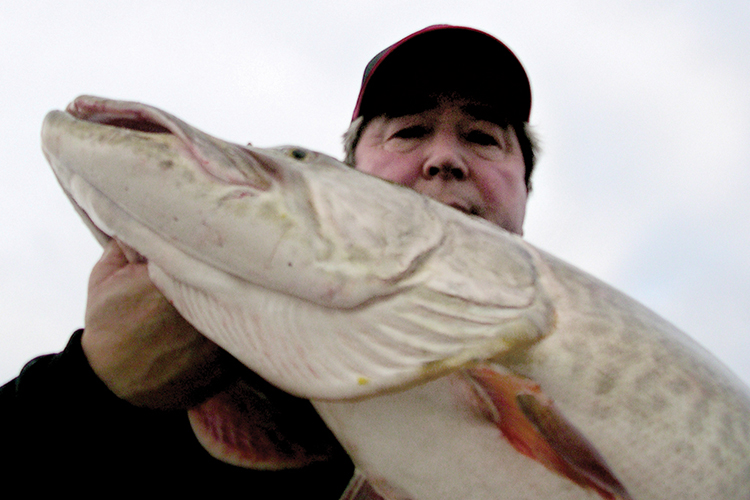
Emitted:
<point x="532" y="424"/>
<point x="255" y="425"/>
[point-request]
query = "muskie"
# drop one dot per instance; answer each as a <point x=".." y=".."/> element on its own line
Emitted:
<point x="451" y="359"/>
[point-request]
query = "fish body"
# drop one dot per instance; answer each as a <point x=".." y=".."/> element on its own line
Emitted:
<point x="450" y="358"/>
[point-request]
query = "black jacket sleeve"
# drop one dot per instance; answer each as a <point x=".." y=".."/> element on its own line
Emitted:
<point x="60" y="423"/>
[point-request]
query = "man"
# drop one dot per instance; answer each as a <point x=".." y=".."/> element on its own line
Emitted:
<point x="443" y="111"/>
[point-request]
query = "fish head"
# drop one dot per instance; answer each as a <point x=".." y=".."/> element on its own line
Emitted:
<point x="305" y="223"/>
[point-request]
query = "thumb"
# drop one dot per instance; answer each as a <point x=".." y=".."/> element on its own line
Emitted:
<point x="112" y="260"/>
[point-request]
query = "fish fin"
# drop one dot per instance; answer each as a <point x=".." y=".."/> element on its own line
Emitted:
<point x="532" y="424"/>
<point x="257" y="426"/>
<point x="361" y="488"/>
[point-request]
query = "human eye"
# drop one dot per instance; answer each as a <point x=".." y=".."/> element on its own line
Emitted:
<point x="482" y="138"/>
<point x="410" y="132"/>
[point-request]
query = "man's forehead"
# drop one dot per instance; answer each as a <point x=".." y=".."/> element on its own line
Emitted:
<point x="445" y="103"/>
<point x="482" y="111"/>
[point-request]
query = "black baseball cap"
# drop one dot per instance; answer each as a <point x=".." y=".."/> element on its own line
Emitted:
<point x="444" y="59"/>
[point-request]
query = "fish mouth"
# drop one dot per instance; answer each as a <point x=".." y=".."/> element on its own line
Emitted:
<point x="122" y="114"/>
<point x="210" y="155"/>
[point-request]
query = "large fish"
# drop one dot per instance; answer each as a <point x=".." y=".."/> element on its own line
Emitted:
<point x="451" y="359"/>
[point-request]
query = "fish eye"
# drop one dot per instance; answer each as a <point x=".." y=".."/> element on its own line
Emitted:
<point x="298" y="153"/>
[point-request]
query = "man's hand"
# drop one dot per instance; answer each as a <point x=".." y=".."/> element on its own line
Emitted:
<point x="139" y="345"/>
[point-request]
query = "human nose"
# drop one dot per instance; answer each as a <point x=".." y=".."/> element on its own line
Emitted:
<point x="444" y="160"/>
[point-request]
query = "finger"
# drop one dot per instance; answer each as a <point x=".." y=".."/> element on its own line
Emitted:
<point x="111" y="260"/>
<point x="131" y="254"/>
<point x="122" y="263"/>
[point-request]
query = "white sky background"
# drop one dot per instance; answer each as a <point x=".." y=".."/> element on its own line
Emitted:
<point x="643" y="108"/>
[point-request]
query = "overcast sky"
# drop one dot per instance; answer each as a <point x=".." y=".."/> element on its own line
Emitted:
<point x="643" y="108"/>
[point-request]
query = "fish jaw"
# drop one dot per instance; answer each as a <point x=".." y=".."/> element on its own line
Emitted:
<point x="105" y="151"/>
<point x="220" y="159"/>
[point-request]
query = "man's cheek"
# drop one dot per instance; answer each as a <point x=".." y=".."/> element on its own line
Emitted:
<point x="393" y="168"/>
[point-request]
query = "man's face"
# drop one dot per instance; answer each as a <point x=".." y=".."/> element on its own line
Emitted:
<point x="452" y="155"/>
